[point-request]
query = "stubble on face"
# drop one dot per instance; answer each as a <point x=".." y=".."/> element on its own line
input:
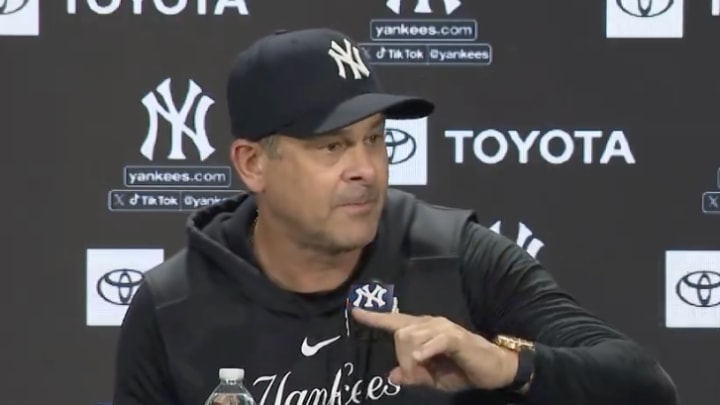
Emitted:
<point x="330" y="190"/>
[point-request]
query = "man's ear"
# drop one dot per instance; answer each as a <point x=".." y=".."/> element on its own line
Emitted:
<point x="249" y="162"/>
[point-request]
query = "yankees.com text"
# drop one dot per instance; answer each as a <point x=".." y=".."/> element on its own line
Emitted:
<point x="404" y="30"/>
<point x="177" y="176"/>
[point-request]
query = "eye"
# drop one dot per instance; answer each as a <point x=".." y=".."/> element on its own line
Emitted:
<point x="332" y="147"/>
<point x="374" y="138"/>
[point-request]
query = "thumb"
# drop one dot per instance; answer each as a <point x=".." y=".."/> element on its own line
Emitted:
<point x="418" y="376"/>
<point x="396" y="376"/>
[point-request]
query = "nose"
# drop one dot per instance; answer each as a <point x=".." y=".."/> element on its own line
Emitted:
<point x="361" y="167"/>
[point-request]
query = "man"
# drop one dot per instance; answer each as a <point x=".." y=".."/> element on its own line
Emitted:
<point x="264" y="281"/>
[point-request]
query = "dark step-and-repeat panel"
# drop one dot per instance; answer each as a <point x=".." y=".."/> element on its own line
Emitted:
<point x="589" y="132"/>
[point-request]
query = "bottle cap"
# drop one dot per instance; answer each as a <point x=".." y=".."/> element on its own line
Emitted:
<point x="232" y="374"/>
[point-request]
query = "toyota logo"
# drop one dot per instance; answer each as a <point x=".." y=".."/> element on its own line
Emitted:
<point x="645" y="8"/>
<point x="700" y="289"/>
<point x="12" y="6"/>
<point x="119" y="286"/>
<point x="400" y="145"/>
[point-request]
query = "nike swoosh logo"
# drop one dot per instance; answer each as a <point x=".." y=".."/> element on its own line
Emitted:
<point x="310" y="350"/>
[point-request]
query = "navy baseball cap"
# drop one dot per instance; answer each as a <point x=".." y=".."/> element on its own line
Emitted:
<point x="308" y="82"/>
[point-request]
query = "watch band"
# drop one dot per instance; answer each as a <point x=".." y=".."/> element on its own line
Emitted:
<point x="526" y="367"/>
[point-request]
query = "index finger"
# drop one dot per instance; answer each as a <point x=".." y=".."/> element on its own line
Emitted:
<point x="387" y="321"/>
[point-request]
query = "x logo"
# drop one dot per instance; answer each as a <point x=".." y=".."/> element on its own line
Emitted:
<point x="713" y="201"/>
<point x="119" y="200"/>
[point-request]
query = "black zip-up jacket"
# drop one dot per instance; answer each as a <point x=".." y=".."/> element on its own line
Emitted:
<point x="295" y="349"/>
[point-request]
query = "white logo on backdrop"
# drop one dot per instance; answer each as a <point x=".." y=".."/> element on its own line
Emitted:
<point x="175" y="7"/>
<point x="19" y="18"/>
<point x="195" y="106"/>
<point x="644" y="18"/>
<point x="692" y="289"/>
<point x="113" y="276"/>
<point x="406" y="142"/>
<point x="423" y="6"/>
<point x="555" y="146"/>
<point x="524" y="238"/>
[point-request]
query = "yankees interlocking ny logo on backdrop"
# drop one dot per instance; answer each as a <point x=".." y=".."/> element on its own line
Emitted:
<point x="349" y="56"/>
<point x="423" y="6"/>
<point x="525" y="238"/>
<point x="178" y="119"/>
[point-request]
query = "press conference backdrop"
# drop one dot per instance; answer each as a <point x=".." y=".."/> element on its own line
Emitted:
<point x="589" y="132"/>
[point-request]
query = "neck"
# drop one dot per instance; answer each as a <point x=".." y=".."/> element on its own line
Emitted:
<point x="299" y="268"/>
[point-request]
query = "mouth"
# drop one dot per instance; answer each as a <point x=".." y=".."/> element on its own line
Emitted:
<point x="360" y="206"/>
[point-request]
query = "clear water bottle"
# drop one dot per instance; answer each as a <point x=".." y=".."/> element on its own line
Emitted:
<point x="231" y="390"/>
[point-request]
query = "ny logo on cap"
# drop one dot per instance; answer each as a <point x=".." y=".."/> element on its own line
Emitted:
<point x="349" y="56"/>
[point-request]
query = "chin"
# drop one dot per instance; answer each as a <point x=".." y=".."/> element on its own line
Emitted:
<point x="348" y="242"/>
<point x="357" y="241"/>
